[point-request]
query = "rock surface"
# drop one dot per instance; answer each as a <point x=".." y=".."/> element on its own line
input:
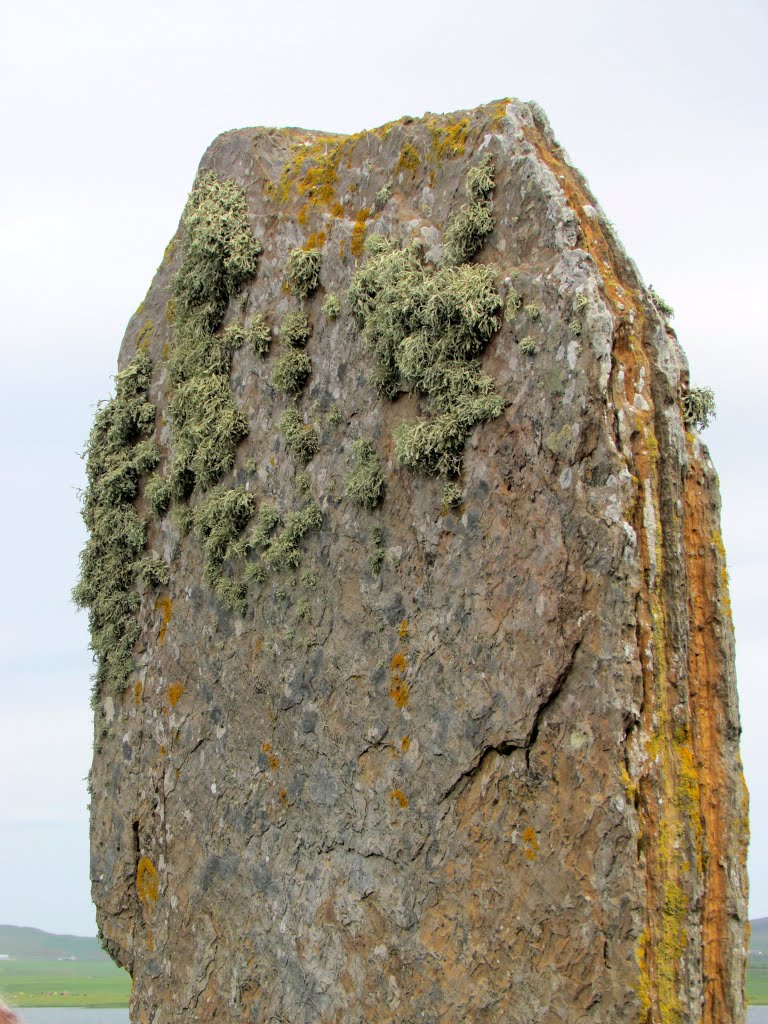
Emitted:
<point x="475" y="757"/>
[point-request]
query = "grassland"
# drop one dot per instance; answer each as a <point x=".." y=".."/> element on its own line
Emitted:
<point x="64" y="983"/>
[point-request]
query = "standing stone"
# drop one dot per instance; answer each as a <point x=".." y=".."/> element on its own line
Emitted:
<point x="454" y="739"/>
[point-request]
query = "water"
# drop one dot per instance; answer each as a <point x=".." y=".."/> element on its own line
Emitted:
<point x="71" y="1015"/>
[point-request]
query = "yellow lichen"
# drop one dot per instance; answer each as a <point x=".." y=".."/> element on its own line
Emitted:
<point x="138" y="689"/>
<point x="399" y="797"/>
<point x="170" y="310"/>
<point x="531" y="844"/>
<point x="358" y="231"/>
<point x="147" y="883"/>
<point x="175" y="690"/>
<point x="448" y="140"/>
<point x="403" y="630"/>
<point x="163" y="605"/>
<point x="144" y="336"/>
<point x="408" y="160"/>
<point x="405" y="744"/>
<point x="315" y="241"/>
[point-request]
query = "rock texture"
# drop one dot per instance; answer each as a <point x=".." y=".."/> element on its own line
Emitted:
<point x="475" y="756"/>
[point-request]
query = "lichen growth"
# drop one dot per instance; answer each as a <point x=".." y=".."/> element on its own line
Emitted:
<point x="118" y="454"/>
<point x="699" y="408"/>
<point x="301" y="439"/>
<point x="218" y="521"/>
<point x="451" y="497"/>
<point x="365" y="483"/>
<point x="424" y="328"/>
<point x="448" y="140"/>
<point x="469" y="229"/>
<point x="302" y="271"/>
<point x="527" y="346"/>
<point x="157" y="494"/>
<point x="295" y="329"/>
<point x="667" y="312"/>
<point x="290" y="371"/>
<point x="332" y="306"/>
<point x="283" y="549"/>
<point x="258" y="334"/>
<point x="147" y="882"/>
<point x="219" y="254"/>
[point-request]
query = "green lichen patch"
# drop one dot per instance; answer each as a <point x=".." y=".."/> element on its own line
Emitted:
<point x="157" y="494"/>
<point x="699" y="407"/>
<point x="283" y="550"/>
<point x="119" y="454"/>
<point x="424" y="328"/>
<point x="218" y="521"/>
<point x="258" y="334"/>
<point x="219" y="252"/>
<point x="469" y="229"/>
<point x="365" y="483"/>
<point x="290" y="371"/>
<point x="295" y="329"/>
<point x="302" y="271"/>
<point x="300" y="438"/>
<point x="332" y="306"/>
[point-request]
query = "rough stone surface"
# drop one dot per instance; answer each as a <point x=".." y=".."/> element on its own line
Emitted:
<point x="498" y="780"/>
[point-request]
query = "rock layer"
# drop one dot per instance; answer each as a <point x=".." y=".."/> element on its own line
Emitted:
<point x="464" y="754"/>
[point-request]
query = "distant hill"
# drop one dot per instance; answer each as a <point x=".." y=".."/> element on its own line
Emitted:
<point x="34" y="944"/>
<point x="758" y="939"/>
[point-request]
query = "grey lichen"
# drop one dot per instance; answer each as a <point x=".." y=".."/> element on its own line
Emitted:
<point x="295" y="329"/>
<point x="219" y="253"/>
<point x="365" y="483"/>
<point x="332" y="306"/>
<point x="468" y="230"/>
<point x="302" y="271"/>
<point x="258" y="334"/>
<point x="290" y="371"/>
<point x="663" y="307"/>
<point x="699" y="407"/>
<point x="157" y="494"/>
<point x="283" y="550"/>
<point x="301" y="439"/>
<point x="424" y="328"/>
<point x="118" y="454"/>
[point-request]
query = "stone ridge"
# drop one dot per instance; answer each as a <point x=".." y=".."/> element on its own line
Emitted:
<point x="431" y="712"/>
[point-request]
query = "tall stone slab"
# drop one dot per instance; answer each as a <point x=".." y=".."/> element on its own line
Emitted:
<point x="460" y="744"/>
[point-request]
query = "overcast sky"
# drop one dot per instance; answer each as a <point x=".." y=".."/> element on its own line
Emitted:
<point x="105" y="111"/>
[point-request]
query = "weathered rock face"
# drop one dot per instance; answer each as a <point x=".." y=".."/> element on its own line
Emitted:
<point x="374" y="749"/>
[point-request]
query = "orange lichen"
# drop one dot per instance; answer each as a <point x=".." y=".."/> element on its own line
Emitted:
<point x="405" y="744"/>
<point x="163" y="605"/>
<point x="138" y="689"/>
<point x="358" y="231"/>
<point x="147" y="883"/>
<point x="342" y="247"/>
<point x="403" y="630"/>
<point x="175" y="690"/>
<point x="398" y="688"/>
<point x="448" y="140"/>
<point x="399" y="797"/>
<point x="408" y="160"/>
<point x="274" y="762"/>
<point x="399" y="663"/>
<point x="531" y="844"/>
<point x="315" y="241"/>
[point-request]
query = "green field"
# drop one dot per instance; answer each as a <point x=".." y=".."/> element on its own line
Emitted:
<point x="64" y="983"/>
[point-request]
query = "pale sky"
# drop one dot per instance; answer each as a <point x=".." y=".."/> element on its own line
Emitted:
<point x="105" y="111"/>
